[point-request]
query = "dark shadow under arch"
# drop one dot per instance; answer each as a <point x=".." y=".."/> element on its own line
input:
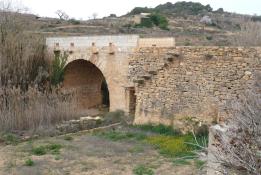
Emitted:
<point x="88" y="82"/>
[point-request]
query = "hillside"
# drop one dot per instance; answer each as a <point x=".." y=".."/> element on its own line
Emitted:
<point x="186" y="24"/>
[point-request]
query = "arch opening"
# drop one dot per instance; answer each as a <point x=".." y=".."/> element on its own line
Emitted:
<point x="89" y="84"/>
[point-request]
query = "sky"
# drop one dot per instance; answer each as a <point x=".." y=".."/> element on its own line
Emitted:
<point x="84" y="9"/>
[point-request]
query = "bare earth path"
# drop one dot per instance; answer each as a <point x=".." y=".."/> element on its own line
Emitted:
<point x="87" y="155"/>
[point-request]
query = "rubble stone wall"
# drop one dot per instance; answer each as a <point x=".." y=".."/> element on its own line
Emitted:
<point x="183" y="86"/>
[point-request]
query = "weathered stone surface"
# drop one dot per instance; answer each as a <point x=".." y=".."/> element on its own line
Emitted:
<point x="84" y="123"/>
<point x="192" y="87"/>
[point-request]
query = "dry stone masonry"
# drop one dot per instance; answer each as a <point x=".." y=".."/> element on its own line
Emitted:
<point x="183" y="86"/>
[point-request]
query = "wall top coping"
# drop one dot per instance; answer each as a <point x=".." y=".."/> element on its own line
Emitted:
<point x="100" y="41"/>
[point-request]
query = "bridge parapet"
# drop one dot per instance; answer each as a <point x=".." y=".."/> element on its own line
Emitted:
<point x="123" y="43"/>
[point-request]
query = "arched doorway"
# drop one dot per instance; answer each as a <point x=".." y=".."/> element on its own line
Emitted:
<point x="89" y="84"/>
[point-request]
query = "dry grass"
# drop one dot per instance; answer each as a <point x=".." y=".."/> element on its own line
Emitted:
<point x="27" y="100"/>
<point x="33" y="109"/>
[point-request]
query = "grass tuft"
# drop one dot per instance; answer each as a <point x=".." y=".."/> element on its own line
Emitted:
<point x="142" y="170"/>
<point x="116" y="136"/>
<point x="39" y="151"/>
<point x="180" y="161"/>
<point x="44" y="149"/>
<point x="68" y="138"/>
<point x="10" y="139"/>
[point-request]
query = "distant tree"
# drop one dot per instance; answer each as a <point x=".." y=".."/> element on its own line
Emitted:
<point x="159" y="20"/>
<point x="220" y="10"/>
<point x="62" y="15"/>
<point x="94" y="15"/>
<point x="206" y="20"/>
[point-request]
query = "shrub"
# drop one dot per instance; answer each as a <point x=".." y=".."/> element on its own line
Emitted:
<point x="10" y="139"/>
<point x="159" y="20"/>
<point x="142" y="170"/>
<point x="29" y="162"/>
<point x="159" y="129"/>
<point x="58" y="66"/>
<point x="154" y="20"/>
<point x="173" y="146"/>
<point x="74" y="21"/>
<point x="44" y="149"/>
<point x="39" y="151"/>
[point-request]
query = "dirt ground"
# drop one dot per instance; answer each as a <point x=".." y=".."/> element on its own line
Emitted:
<point x="87" y="154"/>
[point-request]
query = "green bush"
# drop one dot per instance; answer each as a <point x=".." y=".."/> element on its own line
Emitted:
<point x="10" y="139"/>
<point x="39" y="151"/>
<point x="154" y="20"/>
<point x="44" y="149"/>
<point x="160" y="21"/>
<point x="142" y="170"/>
<point x="29" y="162"/>
<point x="58" y="66"/>
<point x="74" y="21"/>
<point x="146" y="22"/>
<point x="159" y="129"/>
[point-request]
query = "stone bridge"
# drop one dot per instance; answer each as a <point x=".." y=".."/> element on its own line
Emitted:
<point x="154" y="79"/>
<point x="95" y="61"/>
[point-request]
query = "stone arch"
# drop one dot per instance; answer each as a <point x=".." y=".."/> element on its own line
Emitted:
<point x="89" y="83"/>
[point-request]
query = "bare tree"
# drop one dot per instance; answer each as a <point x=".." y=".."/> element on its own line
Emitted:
<point x="94" y="15"/>
<point x="62" y="15"/>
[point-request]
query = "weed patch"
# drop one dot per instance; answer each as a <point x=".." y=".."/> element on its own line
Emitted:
<point x="44" y="149"/>
<point x="199" y="163"/>
<point x="159" y="129"/>
<point x="142" y="170"/>
<point x="39" y="151"/>
<point x="180" y="161"/>
<point x="10" y="139"/>
<point x="173" y="146"/>
<point x="116" y="136"/>
<point x="29" y="162"/>
<point x="68" y="138"/>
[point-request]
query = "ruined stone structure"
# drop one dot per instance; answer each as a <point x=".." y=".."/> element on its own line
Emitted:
<point x="152" y="78"/>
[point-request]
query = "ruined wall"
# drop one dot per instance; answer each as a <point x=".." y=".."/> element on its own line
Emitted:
<point x="184" y="86"/>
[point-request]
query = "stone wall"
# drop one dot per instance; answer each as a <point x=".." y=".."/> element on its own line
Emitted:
<point x="184" y="86"/>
